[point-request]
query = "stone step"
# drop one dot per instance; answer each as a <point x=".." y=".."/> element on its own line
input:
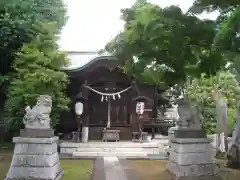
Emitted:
<point x="110" y="149"/>
<point x="110" y="154"/>
<point x="108" y="144"/>
<point x="149" y="148"/>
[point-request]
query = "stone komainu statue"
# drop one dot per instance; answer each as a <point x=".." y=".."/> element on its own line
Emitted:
<point x="39" y="116"/>
<point x="190" y="115"/>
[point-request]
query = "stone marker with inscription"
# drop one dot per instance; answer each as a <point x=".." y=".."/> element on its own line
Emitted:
<point x="35" y="154"/>
<point x="191" y="155"/>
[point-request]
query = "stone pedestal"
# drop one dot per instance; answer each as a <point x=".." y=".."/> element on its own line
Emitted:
<point x="35" y="159"/>
<point x="37" y="133"/>
<point x="171" y="131"/>
<point x="191" y="159"/>
<point x="170" y="137"/>
<point x="85" y="130"/>
<point x="234" y="157"/>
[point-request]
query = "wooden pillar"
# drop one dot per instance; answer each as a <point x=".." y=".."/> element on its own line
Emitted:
<point x="109" y="113"/>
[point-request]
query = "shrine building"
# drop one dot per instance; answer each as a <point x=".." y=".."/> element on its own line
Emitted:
<point x="108" y="96"/>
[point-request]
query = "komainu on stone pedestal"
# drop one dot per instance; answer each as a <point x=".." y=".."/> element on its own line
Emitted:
<point x="38" y="117"/>
<point x="35" y="154"/>
<point x="190" y="116"/>
<point x="191" y="155"/>
<point x="190" y="121"/>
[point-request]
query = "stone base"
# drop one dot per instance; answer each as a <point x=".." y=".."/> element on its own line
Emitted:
<point x="35" y="158"/>
<point x="173" y="177"/>
<point x="191" y="158"/>
<point x="36" y="133"/>
<point x="186" y="133"/>
<point x="85" y="131"/>
<point x="58" y="177"/>
<point x="234" y="157"/>
<point x="197" y="171"/>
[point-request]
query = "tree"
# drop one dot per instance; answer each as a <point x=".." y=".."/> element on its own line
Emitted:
<point x="174" y="44"/>
<point x="227" y="39"/>
<point x="222" y="6"/>
<point x="37" y="71"/>
<point x="18" y="21"/>
<point x="17" y="24"/>
<point x="201" y="91"/>
<point x="228" y="21"/>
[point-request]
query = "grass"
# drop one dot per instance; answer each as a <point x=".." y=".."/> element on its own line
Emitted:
<point x="153" y="169"/>
<point x="5" y="161"/>
<point x="77" y="169"/>
<point x="73" y="169"/>
<point x="156" y="170"/>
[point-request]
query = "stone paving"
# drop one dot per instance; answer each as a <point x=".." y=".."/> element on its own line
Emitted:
<point x="113" y="169"/>
<point x="109" y="168"/>
<point x="98" y="172"/>
<point x="130" y="172"/>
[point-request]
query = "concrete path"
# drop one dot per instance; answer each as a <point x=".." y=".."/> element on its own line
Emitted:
<point x="108" y="168"/>
<point x="98" y="172"/>
<point x="113" y="169"/>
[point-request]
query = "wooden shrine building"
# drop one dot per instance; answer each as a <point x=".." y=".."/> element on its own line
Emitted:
<point x="107" y="95"/>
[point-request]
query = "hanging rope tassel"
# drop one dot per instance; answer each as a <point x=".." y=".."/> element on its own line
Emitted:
<point x="108" y="94"/>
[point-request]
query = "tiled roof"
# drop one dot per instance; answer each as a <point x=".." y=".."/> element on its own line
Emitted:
<point x="80" y="59"/>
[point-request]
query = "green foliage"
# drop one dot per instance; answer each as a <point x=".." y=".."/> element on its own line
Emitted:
<point x="234" y="66"/>
<point x="37" y="71"/>
<point x="222" y="6"/>
<point x="167" y="43"/>
<point x="201" y="91"/>
<point x="18" y="20"/>
<point x="228" y="21"/>
<point x="228" y="36"/>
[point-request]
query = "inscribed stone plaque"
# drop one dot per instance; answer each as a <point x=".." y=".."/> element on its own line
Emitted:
<point x="188" y="133"/>
<point x="35" y="160"/>
<point x="35" y="148"/>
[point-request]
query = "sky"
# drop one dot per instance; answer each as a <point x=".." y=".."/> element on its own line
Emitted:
<point x="92" y="23"/>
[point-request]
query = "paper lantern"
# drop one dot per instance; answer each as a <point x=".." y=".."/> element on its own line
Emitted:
<point x="79" y="108"/>
<point x="140" y="108"/>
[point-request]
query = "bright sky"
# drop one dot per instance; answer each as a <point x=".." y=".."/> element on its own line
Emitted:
<point x="92" y="23"/>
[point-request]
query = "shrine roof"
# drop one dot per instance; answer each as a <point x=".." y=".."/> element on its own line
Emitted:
<point x="82" y="60"/>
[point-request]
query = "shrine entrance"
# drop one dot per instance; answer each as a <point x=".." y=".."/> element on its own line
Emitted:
<point x="109" y="102"/>
<point x="109" y="110"/>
